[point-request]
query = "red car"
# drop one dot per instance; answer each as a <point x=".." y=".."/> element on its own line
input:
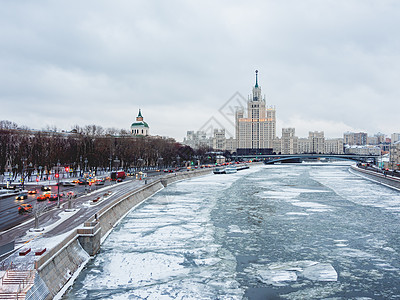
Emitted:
<point x="43" y="197"/>
<point x="24" y="208"/>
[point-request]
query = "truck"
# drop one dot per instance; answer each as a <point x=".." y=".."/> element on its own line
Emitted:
<point x="117" y="175"/>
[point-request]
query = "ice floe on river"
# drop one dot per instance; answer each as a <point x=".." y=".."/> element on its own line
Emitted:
<point x="279" y="274"/>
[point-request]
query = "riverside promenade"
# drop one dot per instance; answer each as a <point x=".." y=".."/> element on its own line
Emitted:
<point x="388" y="178"/>
<point x="48" y="259"/>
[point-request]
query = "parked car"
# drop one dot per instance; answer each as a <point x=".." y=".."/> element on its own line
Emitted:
<point x="99" y="182"/>
<point x="43" y="197"/>
<point x="53" y="197"/>
<point x="82" y="181"/>
<point x="45" y="188"/>
<point x="22" y="196"/>
<point x="24" y="208"/>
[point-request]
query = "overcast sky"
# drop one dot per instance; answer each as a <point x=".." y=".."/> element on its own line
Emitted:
<point x="331" y="66"/>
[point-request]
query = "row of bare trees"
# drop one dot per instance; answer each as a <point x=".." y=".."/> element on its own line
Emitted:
<point x="85" y="148"/>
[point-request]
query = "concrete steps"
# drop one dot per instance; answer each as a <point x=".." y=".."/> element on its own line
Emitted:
<point x="17" y="277"/>
<point x="9" y="296"/>
<point x="15" y="283"/>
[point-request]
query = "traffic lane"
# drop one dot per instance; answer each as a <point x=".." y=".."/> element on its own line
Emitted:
<point x="86" y="212"/>
<point x="9" y="211"/>
<point x="17" y="233"/>
<point x="9" y="206"/>
<point x="83" y="214"/>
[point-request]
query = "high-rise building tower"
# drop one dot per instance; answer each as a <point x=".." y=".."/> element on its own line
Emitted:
<point x="257" y="130"/>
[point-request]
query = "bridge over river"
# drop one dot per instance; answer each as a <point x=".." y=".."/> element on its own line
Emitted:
<point x="274" y="158"/>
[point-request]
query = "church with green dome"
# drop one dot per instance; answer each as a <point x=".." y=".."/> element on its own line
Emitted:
<point x="140" y="127"/>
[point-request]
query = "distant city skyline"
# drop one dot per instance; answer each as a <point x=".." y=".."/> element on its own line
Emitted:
<point x="328" y="66"/>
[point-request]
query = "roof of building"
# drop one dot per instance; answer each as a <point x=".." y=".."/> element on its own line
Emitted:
<point x="140" y="124"/>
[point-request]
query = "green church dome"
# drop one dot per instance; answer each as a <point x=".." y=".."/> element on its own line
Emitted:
<point x="140" y="124"/>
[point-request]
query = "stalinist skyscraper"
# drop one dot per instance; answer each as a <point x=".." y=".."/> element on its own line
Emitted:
<point x="255" y="131"/>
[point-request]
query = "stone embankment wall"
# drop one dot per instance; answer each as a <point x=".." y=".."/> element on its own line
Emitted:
<point x="390" y="181"/>
<point x="58" y="270"/>
<point x="57" y="266"/>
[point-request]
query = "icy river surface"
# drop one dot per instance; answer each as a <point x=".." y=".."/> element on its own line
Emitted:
<point x="269" y="232"/>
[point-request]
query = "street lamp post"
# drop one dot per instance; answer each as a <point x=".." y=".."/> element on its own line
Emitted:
<point x="160" y="162"/>
<point x="23" y="172"/>
<point x="29" y="175"/>
<point x="40" y="172"/>
<point x="140" y="161"/>
<point x="16" y="172"/>
<point x="58" y="184"/>
<point x="80" y="166"/>
<point x="116" y="163"/>
<point x="86" y="161"/>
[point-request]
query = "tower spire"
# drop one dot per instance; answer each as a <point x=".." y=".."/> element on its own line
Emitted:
<point x="256" y="79"/>
<point x="139" y="117"/>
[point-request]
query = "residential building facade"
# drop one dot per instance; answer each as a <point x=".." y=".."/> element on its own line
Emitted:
<point x="394" y="159"/>
<point x="395" y="137"/>
<point x="288" y="141"/>
<point x="317" y="141"/>
<point x="334" y="146"/>
<point x="362" y="149"/>
<point x="197" y="139"/>
<point x="352" y="138"/>
<point x="219" y="140"/>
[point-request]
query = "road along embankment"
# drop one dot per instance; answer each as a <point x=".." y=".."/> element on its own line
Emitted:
<point x="61" y="264"/>
<point x="390" y="181"/>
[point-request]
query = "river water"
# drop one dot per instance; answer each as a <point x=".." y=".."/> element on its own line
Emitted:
<point x="293" y="231"/>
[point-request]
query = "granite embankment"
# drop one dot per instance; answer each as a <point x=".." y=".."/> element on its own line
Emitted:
<point x="382" y="178"/>
<point x="61" y="264"/>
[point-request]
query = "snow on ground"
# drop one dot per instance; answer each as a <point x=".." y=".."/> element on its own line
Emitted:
<point x="37" y="242"/>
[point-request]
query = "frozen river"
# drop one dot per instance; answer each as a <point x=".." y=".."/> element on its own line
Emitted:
<point x="270" y="232"/>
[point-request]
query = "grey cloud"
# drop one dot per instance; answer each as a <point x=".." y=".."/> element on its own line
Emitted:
<point x="321" y="62"/>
